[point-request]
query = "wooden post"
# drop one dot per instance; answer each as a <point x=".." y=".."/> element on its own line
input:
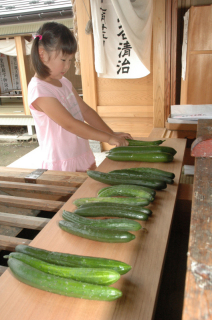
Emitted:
<point x="159" y="63"/>
<point x="22" y="66"/>
<point x="86" y="48"/>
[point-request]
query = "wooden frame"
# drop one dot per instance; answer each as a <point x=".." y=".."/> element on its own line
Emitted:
<point x="157" y="78"/>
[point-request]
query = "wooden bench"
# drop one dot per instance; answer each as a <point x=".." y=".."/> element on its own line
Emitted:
<point x="21" y="201"/>
<point x="145" y="254"/>
<point x="198" y="289"/>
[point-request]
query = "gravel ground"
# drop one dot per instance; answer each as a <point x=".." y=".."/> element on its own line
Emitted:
<point x="11" y="149"/>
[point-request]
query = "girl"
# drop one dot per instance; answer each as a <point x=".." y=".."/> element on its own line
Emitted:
<point x="58" y="111"/>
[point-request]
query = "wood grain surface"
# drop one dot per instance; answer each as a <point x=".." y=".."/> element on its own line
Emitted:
<point x="198" y="289"/>
<point x="145" y="254"/>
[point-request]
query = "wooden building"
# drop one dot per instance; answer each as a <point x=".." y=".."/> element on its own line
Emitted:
<point x="141" y="107"/>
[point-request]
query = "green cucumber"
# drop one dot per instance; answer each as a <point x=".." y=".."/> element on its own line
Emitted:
<point x="112" y="224"/>
<point x="111" y="212"/>
<point x="142" y="157"/>
<point x="73" y="260"/>
<point x="59" y="285"/>
<point x="115" y="207"/>
<point x="127" y="200"/>
<point x="155" y="171"/>
<point x="89" y="275"/>
<point x="126" y="191"/>
<point x="91" y="233"/>
<point x="141" y="175"/>
<point x="144" y="143"/>
<point x="112" y="179"/>
<point x="143" y="149"/>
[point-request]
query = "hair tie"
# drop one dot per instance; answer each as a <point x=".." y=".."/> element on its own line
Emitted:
<point x="39" y="37"/>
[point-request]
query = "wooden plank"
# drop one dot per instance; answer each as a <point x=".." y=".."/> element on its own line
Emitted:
<point x="197" y="297"/>
<point x="50" y="177"/>
<point x="37" y="188"/>
<point x="9" y="243"/>
<point x="17" y="220"/>
<point x="125" y="111"/>
<point x="181" y="126"/>
<point x="157" y="133"/>
<point x="39" y="204"/>
<point x="125" y="92"/>
<point x="145" y="254"/>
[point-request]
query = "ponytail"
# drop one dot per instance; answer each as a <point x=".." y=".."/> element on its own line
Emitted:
<point x="38" y="66"/>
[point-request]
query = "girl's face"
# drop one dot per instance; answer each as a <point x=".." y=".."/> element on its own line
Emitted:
<point x="59" y="64"/>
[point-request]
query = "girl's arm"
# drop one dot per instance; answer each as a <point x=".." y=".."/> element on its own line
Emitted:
<point x="92" y="117"/>
<point x="56" y="111"/>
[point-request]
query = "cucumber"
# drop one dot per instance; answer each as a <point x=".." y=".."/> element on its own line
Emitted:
<point x="141" y="175"/>
<point x="155" y="171"/>
<point x="144" y="143"/>
<point x="125" y="190"/>
<point x="112" y="179"/>
<point x="89" y="275"/>
<point x="112" y="224"/>
<point x="73" y="260"/>
<point x="111" y="212"/>
<point x="115" y="207"/>
<point x="91" y="233"/>
<point x="142" y="157"/>
<point x="59" y="285"/>
<point x="143" y="149"/>
<point x="127" y="200"/>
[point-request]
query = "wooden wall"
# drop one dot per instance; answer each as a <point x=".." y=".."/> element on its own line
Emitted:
<point x="182" y="7"/>
<point x="130" y="105"/>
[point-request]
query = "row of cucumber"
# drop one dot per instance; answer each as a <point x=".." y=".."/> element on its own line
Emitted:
<point x="120" y="201"/>
<point x="67" y="274"/>
<point x="145" y="151"/>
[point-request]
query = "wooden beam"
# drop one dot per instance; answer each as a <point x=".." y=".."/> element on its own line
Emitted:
<point x="22" y="66"/>
<point x="86" y="47"/>
<point x="17" y="220"/>
<point x="159" y="63"/>
<point x="38" y="204"/>
<point x="37" y="188"/>
<point x="174" y="37"/>
<point x="168" y="58"/>
<point x="58" y="178"/>
<point x="9" y="243"/>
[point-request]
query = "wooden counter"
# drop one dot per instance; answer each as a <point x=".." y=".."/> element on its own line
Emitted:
<point x="198" y="289"/>
<point x="145" y="254"/>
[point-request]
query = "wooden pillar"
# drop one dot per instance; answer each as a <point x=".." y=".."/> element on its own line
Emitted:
<point x="159" y="63"/>
<point x="86" y="47"/>
<point x="22" y="66"/>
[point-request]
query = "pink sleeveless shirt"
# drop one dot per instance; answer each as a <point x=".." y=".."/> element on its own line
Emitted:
<point x="61" y="150"/>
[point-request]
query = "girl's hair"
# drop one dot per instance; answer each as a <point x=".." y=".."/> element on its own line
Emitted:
<point x="55" y="37"/>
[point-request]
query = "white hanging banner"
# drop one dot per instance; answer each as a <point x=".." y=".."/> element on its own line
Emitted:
<point x="5" y="79"/>
<point x="115" y="56"/>
<point x="8" y="47"/>
<point x="16" y="83"/>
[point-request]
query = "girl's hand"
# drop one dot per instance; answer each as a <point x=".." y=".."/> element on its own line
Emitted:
<point x="123" y="134"/>
<point x="118" y="141"/>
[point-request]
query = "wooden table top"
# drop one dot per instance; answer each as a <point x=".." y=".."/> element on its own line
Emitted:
<point x="145" y="254"/>
<point x="198" y="289"/>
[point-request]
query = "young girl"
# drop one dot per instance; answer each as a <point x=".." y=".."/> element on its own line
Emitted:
<point x="58" y="111"/>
